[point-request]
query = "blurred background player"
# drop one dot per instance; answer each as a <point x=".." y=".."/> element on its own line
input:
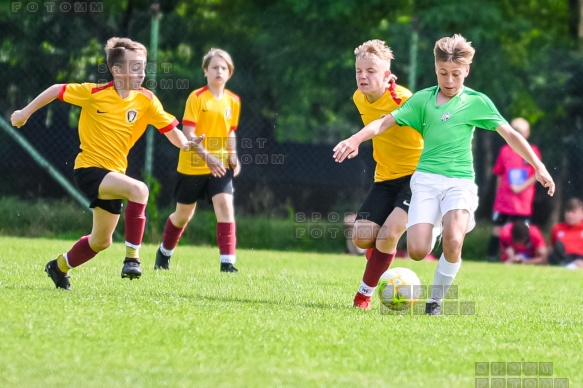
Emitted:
<point x="567" y="237"/>
<point x="211" y="112"/>
<point x="381" y="219"/>
<point x="113" y="117"/>
<point x="515" y="188"/>
<point x="521" y="243"/>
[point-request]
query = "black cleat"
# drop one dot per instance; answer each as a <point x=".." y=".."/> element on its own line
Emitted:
<point x="60" y="279"/>
<point x="433" y="308"/>
<point x="228" y="267"/>
<point x="131" y="269"/>
<point x="162" y="261"/>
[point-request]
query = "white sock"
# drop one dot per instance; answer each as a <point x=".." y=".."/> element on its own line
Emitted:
<point x="166" y="252"/>
<point x="365" y="289"/>
<point x="444" y="276"/>
<point x="228" y="259"/>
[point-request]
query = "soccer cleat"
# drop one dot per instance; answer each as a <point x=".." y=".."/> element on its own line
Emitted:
<point x="433" y="308"/>
<point x="362" y="302"/>
<point x="162" y="261"/>
<point x="228" y="267"/>
<point x="60" y="279"/>
<point x="131" y="269"/>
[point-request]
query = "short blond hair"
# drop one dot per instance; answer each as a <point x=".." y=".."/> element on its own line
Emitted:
<point x="521" y="126"/>
<point x="115" y="50"/>
<point x="374" y="48"/>
<point x="454" y="49"/>
<point x="216" y="52"/>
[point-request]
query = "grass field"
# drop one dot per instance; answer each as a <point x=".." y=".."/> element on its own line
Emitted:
<point x="284" y="320"/>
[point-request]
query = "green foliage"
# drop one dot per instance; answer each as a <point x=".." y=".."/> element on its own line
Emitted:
<point x="46" y="218"/>
<point x="294" y="58"/>
<point x="284" y="320"/>
<point x="50" y="218"/>
<point x="153" y="215"/>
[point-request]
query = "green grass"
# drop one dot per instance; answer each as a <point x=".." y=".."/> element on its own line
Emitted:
<point x="284" y="320"/>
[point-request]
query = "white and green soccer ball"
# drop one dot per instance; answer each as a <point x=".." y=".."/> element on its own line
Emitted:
<point x="399" y="288"/>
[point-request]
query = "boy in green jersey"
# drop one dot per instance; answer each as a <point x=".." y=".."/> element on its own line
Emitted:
<point x="443" y="184"/>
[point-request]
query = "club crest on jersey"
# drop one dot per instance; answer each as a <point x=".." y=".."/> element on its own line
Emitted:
<point x="131" y="116"/>
<point x="446" y="116"/>
<point x="228" y="113"/>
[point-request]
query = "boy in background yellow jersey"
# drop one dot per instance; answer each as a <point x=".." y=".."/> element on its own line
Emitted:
<point x="211" y="113"/>
<point x="113" y="117"/>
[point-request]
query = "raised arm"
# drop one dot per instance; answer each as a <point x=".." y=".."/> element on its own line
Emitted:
<point x="520" y="145"/>
<point x="348" y="148"/>
<point x="19" y="117"/>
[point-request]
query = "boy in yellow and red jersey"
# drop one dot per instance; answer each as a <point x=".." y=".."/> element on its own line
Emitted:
<point x="211" y="112"/>
<point x="381" y="219"/>
<point x="113" y="117"/>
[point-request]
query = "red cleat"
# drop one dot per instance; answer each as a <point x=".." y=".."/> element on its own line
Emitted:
<point x="361" y="302"/>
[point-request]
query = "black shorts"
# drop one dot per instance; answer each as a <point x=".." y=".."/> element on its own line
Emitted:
<point x="501" y="219"/>
<point x="383" y="198"/>
<point x="190" y="188"/>
<point x="88" y="180"/>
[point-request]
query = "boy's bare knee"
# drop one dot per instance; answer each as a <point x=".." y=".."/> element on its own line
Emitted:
<point x="418" y="253"/>
<point x="363" y="243"/>
<point x="139" y="192"/>
<point x="99" y="245"/>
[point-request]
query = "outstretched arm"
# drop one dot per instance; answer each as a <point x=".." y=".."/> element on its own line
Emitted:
<point x="176" y="137"/>
<point x="20" y="117"/>
<point x="520" y="145"/>
<point x="348" y="148"/>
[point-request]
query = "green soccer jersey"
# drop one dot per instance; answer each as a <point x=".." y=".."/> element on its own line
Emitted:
<point x="448" y="129"/>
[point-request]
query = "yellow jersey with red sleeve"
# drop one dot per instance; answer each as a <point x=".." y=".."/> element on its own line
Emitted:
<point x="397" y="150"/>
<point x="213" y="117"/>
<point x="109" y="125"/>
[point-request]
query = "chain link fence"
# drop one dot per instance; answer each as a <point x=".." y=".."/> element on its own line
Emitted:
<point x="278" y="177"/>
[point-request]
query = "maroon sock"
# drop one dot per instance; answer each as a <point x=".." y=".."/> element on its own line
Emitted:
<point x="376" y="265"/>
<point x="135" y="222"/>
<point x="80" y="253"/>
<point x="226" y="238"/>
<point x="171" y="235"/>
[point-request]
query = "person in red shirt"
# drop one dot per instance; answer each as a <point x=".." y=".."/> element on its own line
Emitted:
<point x="567" y="237"/>
<point x="521" y="243"/>
<point x="515" y="188"/>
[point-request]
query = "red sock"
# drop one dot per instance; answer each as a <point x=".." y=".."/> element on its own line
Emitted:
<point x="171" y="235"/>
<point x="376" y="265"/>
<point x="226" y="238"/>
<point x="80" y="253"/>
<point x="135" y="222"/>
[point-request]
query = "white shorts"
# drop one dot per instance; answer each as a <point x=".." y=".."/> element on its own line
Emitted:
<point x="434" y="195"/>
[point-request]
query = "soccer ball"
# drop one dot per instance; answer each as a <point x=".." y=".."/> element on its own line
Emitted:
<point x="399" y="288"/>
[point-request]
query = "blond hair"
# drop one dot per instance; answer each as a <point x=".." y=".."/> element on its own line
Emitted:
<point x="375" y="48"/>
<point x="454" y="49"/>
<point x="115" y="50"/>
<point x="216" y="52"/>
<point x="521" y="126"/>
